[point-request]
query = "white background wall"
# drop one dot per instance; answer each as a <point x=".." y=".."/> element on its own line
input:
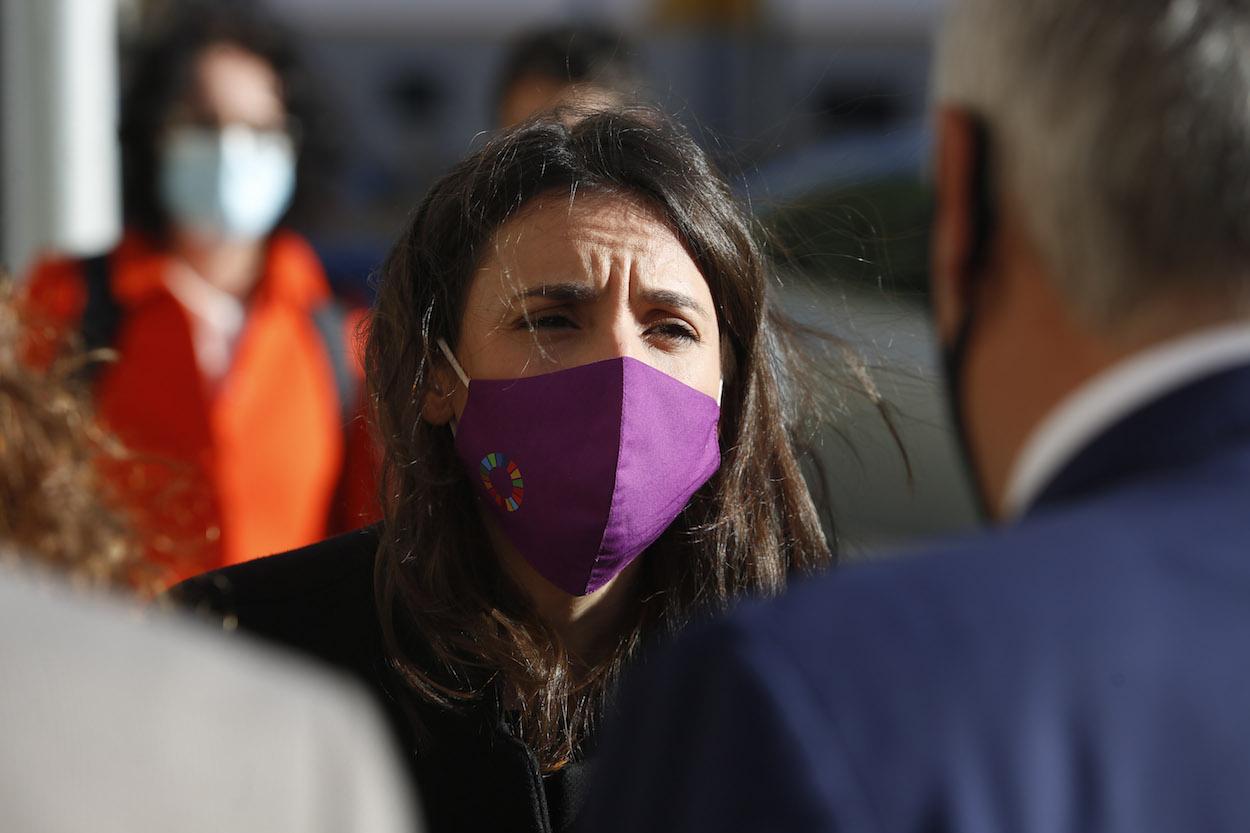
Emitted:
<point x="59" y="128"/>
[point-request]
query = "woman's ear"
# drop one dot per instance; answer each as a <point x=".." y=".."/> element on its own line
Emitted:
<point x="437" y="406"/>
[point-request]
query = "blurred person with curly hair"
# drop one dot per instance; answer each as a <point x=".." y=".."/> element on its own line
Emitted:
<point x="266" y="734"/>
<point x="54" y="505"/>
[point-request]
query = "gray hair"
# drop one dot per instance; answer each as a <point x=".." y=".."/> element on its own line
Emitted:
<point x="1122" y="129"/>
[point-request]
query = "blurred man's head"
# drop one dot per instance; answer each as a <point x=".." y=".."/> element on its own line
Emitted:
<point x="581" y="68"/>
<point x="1093" y="174"/>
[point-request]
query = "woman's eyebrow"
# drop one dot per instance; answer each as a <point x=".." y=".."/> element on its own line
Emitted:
<point x="675" y="300"/>
<point x="573" y="293"/>
<point x="566" y="292"/>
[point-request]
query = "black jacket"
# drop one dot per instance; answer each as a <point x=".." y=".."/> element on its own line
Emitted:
<point x="471" y="772"/>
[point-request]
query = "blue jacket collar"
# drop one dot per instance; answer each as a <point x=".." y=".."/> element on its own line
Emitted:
<point x="1174" y="431"/>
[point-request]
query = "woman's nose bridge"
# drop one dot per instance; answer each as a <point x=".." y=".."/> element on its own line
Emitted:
<point x="619" y="334"/>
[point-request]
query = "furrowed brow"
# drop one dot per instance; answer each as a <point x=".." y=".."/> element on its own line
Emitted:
<point x="566" y="292"/>
<point x="676" y="300"/>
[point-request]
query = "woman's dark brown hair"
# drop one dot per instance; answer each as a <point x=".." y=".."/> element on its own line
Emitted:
<point x="459" y="629"/>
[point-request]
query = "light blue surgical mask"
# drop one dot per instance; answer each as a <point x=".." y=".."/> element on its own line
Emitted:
<point x="231" y="183"/>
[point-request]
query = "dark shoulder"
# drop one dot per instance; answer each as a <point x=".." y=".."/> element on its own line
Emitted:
<point x="318" y="599"/>
<point x="973" y="608"/>
<point x="288" y="577"/>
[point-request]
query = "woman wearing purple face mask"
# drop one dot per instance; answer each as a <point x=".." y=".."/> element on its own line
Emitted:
<point x="589" y="411"/>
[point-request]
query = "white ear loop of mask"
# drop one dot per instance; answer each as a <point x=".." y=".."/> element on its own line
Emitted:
<point x="455" y="365"/>
<point x="464" y="378"/>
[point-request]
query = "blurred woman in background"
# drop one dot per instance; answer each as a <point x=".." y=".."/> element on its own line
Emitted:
<point x="589" y="410"/>
<point x="235" y="375"/>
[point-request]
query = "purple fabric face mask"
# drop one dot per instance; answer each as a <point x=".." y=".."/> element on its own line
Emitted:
<point x="584" y="468"/>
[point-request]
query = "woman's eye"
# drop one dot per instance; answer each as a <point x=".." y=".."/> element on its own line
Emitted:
<point x="674" y="330"/>
<point x="547" y="322"/>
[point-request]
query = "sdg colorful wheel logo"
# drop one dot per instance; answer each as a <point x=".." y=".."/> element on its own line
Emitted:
<point x="498" y="461"/>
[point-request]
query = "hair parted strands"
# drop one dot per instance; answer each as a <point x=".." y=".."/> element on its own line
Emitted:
<point x="459" y="629"/>
<point x="54" y="506"/>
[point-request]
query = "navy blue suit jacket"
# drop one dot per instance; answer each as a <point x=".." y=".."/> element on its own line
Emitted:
<point x="1085" y="669"/>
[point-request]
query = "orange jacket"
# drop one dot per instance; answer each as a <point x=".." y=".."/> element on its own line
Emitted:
<point x="262" y="464"/>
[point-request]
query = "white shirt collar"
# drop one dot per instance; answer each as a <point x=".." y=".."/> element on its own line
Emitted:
<point x="217" y="318"/>
<point x="1112" y="395"/>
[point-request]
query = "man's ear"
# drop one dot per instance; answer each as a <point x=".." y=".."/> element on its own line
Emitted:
<point x="436" y="405"/>
<point x="960" y="217"/>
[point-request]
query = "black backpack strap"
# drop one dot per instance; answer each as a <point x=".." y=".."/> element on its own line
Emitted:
<point x="330" y="319"/>
<point x="102" y="314"/>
